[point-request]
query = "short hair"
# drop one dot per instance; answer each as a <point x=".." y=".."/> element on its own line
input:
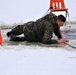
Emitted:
<point x="61" y="18"/>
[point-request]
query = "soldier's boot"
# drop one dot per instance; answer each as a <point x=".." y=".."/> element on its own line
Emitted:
<point x="9" y="33"/>
<point x="18" y="30"/>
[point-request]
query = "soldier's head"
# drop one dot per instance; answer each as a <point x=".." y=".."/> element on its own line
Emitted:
<point x="60" y="20"/>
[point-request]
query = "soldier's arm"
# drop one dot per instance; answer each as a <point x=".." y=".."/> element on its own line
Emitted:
<point x="47" y="38"/>
<point x="58" y="33"/>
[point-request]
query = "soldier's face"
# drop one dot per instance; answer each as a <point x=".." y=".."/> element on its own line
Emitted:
<point x="60" y="23"/>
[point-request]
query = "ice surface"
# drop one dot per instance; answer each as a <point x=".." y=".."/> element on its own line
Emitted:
<point x="35" y="60"/>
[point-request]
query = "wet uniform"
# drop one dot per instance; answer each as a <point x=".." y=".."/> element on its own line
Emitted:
<point x="39" y="31"/>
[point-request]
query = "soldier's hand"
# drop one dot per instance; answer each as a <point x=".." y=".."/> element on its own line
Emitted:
<point x="62" y="40"/>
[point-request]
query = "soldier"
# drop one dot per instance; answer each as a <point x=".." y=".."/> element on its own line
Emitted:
<point x="41" y="30"/>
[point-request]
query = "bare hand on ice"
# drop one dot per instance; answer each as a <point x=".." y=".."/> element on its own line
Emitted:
<point x="62" y="40"/>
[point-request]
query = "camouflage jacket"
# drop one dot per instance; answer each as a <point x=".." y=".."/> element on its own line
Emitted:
<point x="42" y="30"/>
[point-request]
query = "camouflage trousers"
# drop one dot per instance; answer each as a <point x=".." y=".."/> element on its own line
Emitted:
<point x="26" y="29"/>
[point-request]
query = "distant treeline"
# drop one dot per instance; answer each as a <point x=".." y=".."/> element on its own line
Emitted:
<point x="71" y="22"/>
<point x="9" y="26"/>
<point x="3" y="25"/>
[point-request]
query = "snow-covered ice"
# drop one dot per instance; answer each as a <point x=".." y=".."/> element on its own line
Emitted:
<point x="35" y="60"/>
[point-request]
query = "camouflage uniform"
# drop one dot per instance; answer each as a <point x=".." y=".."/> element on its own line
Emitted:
<point x="40" y="30"/>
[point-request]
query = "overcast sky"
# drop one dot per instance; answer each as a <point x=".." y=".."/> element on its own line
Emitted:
<point x="25" y="10"/>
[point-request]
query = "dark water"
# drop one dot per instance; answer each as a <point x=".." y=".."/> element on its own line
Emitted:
<point x="70" y="34"/>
